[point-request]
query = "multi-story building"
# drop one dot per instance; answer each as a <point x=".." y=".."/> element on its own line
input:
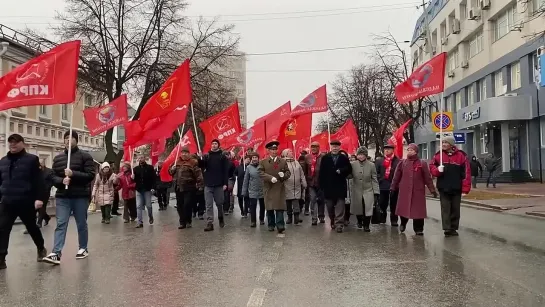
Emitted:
<point x="43" y="127"/>
<point x="489" y="83"/>
<point x="235" y="71"/>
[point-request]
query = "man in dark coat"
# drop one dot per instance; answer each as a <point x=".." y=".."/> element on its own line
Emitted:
<point x="243" y="202"/>
<point x="314" y="194"/>
<point x="163" y="196"/>
<point x="73" y="183"/>
<point x="43" y="217"/>
<point x="227" y="207"/>
<point x="334" y="168"/>
<point x="215" y="169"/>
<point x="386" y="166"/>
<point x="21" y="193"/>
<point x="144" y="177"/>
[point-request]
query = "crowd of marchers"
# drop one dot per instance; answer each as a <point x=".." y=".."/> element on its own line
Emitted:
<point x="314" y="183"/>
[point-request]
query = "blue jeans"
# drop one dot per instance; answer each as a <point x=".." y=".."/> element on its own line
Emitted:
<point x="143" y="199"/>
<point x="65" y="207"/>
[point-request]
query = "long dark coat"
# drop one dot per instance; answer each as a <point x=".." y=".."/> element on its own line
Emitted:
<point x="333" y="184"/>
<point x="411" y="178"/>
<point x="274" y="193"/>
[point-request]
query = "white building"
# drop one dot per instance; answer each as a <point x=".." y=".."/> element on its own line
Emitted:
<point x="236" y="72"/>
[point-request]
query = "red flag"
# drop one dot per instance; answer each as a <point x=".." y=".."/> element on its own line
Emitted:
<point x="348" y="136"/>
<point x="296" y="128"/>
<point x="274" y="119"/>
<point x="133" y="134"/>
<point x="47" y="79"/>
<point x="156" y="128"/>
<point x="127" y="154"/>
<point x="158" y="147"/>
<point x="315" y="102"/>
<point x="323" y="139"/>
<point x="251" y="136"/>
<point x="187" y="140"/>
<point x="397" y="139"/>
<point x="100" y="119"/>
<point x="301" y="145"/>
<point x="428" y="79"/>
<point x="175" y="92"/>
<point x="224" y="126"/>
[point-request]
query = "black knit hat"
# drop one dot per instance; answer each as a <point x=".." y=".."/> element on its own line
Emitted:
<point x="74" y="135"/>
<point x="216" y="141"/>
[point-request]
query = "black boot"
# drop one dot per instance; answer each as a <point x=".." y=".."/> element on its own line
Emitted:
<point x="296" y="220"/>
<point x="222" y="222"/>
<point x="290" y="219"/>
<point x="3" y="265"/>
<point x="209" y="227"/>
<point x="366" y="223"/>
<point x="360" y="221"/>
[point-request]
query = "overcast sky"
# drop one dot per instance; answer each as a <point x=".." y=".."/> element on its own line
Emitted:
<point x="274" y="79"/>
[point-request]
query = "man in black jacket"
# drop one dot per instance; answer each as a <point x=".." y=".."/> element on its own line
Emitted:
<point x="386" y="167"/>
<point x="21" y="193"/>
<point x="73" y="183"/>
<point x="144" y="177"/>
<point x="215" y="171"/>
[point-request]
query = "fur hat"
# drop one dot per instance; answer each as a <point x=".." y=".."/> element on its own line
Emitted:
<point x="104" y="165"/>
<point x="362" y="151"/>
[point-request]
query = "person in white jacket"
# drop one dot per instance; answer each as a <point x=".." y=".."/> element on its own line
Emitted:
<point x="294" y="187"/>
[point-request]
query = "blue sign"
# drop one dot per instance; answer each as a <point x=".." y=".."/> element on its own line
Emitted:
<point x="459" y="138"/>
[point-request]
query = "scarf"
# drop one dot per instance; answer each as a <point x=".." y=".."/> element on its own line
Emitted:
<point x="313" y="164"/>
<point x="388" y="166"/>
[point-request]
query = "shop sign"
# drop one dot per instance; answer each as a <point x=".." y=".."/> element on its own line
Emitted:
<point x="469" y="116"/>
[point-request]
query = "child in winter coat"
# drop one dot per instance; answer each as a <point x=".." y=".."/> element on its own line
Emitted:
<point x="128" y="192"/>
<point x="103" y="191"/>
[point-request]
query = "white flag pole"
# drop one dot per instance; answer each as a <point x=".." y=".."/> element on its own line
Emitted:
<point x="441" y="130"/>
<point x="195" y="129"/>
<point x="131" y="155"/>
<point x="70" y="138"/>
<point x="328" y="131"/>
<point x="179" y="142"/>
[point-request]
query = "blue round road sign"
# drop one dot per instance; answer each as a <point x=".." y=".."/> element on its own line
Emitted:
<point x="442" y="122"/>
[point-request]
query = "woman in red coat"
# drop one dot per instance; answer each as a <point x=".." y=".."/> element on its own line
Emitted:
<point x="411" y="177"/>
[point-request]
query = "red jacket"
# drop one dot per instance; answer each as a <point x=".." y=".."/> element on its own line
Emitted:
<point x="456" y="175"/>
<point x="128" y="186"/>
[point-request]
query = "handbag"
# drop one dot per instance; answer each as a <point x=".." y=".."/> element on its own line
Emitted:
<point x="92" y="207"/>
<point x="377" y="214"/>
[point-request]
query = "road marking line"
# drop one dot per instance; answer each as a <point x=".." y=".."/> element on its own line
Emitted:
<point x="281" y="235"/>
<point x="256" y="299"/>
<point x="278" y="244"/>
<point x="266" y="274"/>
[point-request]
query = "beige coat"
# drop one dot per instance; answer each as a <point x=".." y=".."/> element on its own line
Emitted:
<point x="274" y="193"/>
<point x="364" y="187"/>
<point x="103" y="192"/>
<point x="297" y="183"/>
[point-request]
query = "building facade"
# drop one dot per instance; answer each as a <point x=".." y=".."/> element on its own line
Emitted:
<point x="489" y="83"/>
<point x="235" y="72"/>
<point x="43" y="127"/>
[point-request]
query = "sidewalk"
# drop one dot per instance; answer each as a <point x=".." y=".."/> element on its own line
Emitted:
<point x="517" y="230"/>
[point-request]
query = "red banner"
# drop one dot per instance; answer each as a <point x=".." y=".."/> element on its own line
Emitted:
<point x="127" y="154"/>
<point x="100" y="119"/>
<point x="274" y="119"/>
<point x="315" y="102"/>
<point x="158" y="147"/>
<point x="323" y="139"/>
<point x="187" y="140"/>
<point x="428" y="79"/>
<point x="296" y="128"/>
<point x="348" y="136"/>
<point x="47" y="79"/>
<point x="397" y="139"/>
<point x="156" y="128"/>
<point x="224" y="126"/>
<point x="176" y="92"/>
<point x="301" y="145"/>
<point x="251" y="136"/>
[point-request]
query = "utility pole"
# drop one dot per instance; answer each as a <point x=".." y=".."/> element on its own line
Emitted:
<point x="427" y="34"/>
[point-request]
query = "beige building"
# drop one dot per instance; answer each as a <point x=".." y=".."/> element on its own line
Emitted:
<point x="236" y="72"/>
<point x="43" y="127"/>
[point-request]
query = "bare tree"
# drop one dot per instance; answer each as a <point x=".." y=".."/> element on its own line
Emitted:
<point x="134" y="45"/>
<point x="535" y="9"/>
<point x="393" y="59"/>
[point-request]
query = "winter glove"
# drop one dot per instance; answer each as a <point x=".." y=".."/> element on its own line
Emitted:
<point x="281" y="174"/>
<point x="441" y="168"/>
<point x="274" y="180"/>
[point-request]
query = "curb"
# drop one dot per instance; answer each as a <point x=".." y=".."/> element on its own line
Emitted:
<point x="537" y="214"/>
<point x="477" y="204"/>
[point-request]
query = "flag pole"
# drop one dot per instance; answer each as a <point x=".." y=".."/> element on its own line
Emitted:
<point x="441" y="129"/>
<point x="194" y="128"/>
<point x="70" y="138"/>
<point x="328" y="131"/>
<point x="180" y="141"/>
<point x="131" y="156"/>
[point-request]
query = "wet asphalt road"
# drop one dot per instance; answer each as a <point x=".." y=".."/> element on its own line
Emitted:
<point x="239" y="266"/>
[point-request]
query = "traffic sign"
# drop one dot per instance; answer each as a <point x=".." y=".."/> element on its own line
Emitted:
<point x="460" y="138"/>
<point x="444" y="122"/>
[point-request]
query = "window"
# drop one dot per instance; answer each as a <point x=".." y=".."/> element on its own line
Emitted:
<point x="484" y="140"/>
<point x="46" y="132"/>
<point x="88" y="100"/>
<point x="471" y="94"/>
<point x="458" y="100"/>
<point x="65" y="112"/>
<point x="86" y="139"/>
<point x="504" y="22"/>
<point x="424" y="150"/>
<point x="11" y="127"/>
<point x="443" y="29"/>
<point x="52" y="134"/>
<point x="29" y="129"/>
<point x="499" y="89"/>
<point x="463" y="11"/>
<point x="515" y="76"/>
<point x="453" y="59"/>
<point x="38" y="131"/>
<point x="481" y="90"/>
<point x="59" y="135"/>
<point x="44" y="111"/>
<point x="476" y="44"/>
<point x="449" y="103"/>
<point x="20" y="128"/>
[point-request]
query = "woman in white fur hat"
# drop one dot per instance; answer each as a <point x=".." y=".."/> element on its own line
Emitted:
<point x="103" y="191"/>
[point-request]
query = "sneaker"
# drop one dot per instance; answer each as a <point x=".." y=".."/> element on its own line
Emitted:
<point x="53" y="258"/>
<point x="307" y="213"/>
<point x="201" y="217"/>
<point x="419" y="233"/>
<point x="182" y="227"/>
<point x="107" y="221"/>
<point x="209" y="227"/>
<point x="222" y="223"/>
<point x="189" y="225"/>
<point x="281" y="230"/>
<point x="314" y="222"/>
<point x="322" y="220"/>
<point x="261" y="222"/>
<point x="253" y="225"/>
<point x="3" y="265"/>
<point x="402" y="228"/>
<point x="366" y="229"/>
<point x="103" y="221"/>
<point x="42" y="253"/>
<point x="271" y="228"/>
<point x="151" y="221"/>
<point x="125" y="221"/>
<point x="133" y="219"/>
<point x="139" y="225"/>
<point x="82" y="254"/>
<point x="360" y="226"/>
